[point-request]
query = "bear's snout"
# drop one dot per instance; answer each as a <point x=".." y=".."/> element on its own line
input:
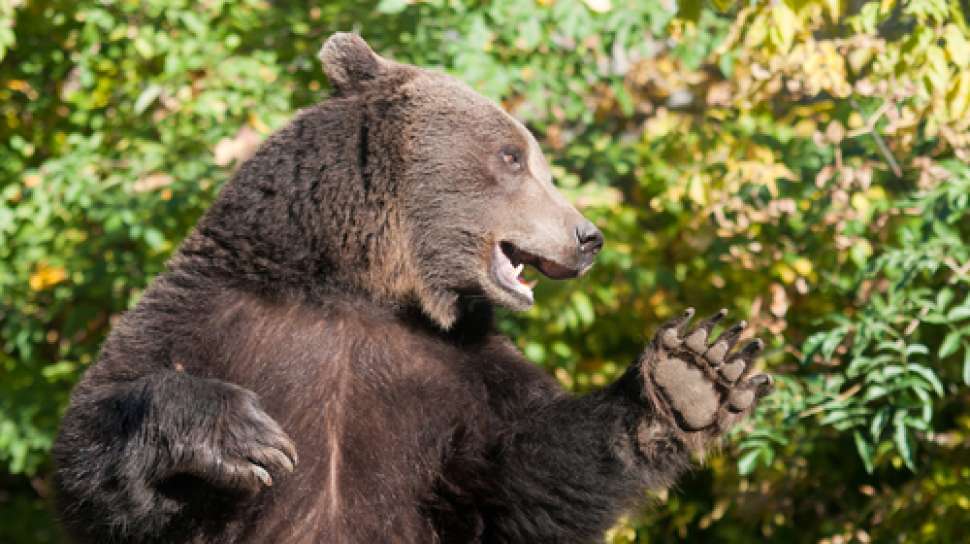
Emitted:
<point x="590" y="243"/>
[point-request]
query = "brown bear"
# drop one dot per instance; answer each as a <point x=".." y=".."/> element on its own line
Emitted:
<point x="335" y="304"/>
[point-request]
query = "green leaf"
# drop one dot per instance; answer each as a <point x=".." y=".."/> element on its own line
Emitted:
<point x="959" y="313"/>
<point x="893" y="345"/>
<point x="768" y="435"/>
<point x="901" y="438"/>
<point x="874" y="392"/>
<point x="891" y="371"/>
<point x="834" y="416"/>
<point x="584" y="308"/>
<point x="146" y="98"/>
<point x="194" y="23"/>
<point x="966" y="363"/>
<point x="927" y="375"/>
<point x="535" y="351"/>
<point x="154" y="238"/>
<point x="689" y="9"/>
<point x="748" y="462"/>
<point x="920" y="349"/>
<point x="935" y="318"/>
<point x="943" y="298"/>
<point x="811" y="346"/>
<point x="831" y="342"/>
<point x="865" y="450"/>
<point x="950" y="343"/>
<point x="391" y="7"/>
<point x="59" y="371"/>
<point x="878" y="423"/>
<point x="917" y="423"/>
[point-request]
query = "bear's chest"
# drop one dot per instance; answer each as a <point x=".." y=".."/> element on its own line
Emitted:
<point x="380" y="412"/>
<point x="351" y="372"/>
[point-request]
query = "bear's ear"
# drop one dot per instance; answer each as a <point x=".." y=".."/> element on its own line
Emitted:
<point x="350" y="63"/>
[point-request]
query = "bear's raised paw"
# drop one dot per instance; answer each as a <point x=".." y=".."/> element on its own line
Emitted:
<point x="703" y="386"/>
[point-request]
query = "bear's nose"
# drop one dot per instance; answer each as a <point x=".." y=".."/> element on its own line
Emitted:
<point x="590" y="239"/>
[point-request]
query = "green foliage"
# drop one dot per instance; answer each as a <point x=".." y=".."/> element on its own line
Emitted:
<point x="803" y="163"/>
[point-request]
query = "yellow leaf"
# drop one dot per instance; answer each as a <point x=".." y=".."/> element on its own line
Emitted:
<point x="45" y="276"/>
<point x="695" y="190"/>
<point x="258" y="124"/>
<point x="803" y="266"/>
<point x="599" y="6"/>
<point x="938" y="69"/>
<point x="786" y="274"/>
<point x="957" y="45"/>
<point x="855" y="120"/>
<point x="876" y="193"/>
<point x="833" y="8"/>
<point x="859" y="58"/>
<point x="267" y="74"/>
<point x="959" y="96"/>
<point x="805" y="128"/>
<point x="861" y="204"/>
<point x="32" y="180"/>
<point x="756" y="33"/>
<point x="786" y="23"/>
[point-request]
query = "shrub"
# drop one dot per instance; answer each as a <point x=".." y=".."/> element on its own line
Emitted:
<point x="805" y="164"/>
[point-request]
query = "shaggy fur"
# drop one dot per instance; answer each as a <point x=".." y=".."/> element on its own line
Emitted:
<point x="319" y="362"/>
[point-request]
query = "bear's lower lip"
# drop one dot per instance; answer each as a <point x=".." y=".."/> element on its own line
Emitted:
<point x="546" y="266"/>
<point x="508" y="275"/>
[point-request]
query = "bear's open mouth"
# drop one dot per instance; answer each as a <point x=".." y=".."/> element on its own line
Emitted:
<point x="508" y="262"/>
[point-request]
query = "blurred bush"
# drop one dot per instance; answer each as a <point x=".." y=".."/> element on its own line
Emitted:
<point x="803" y="163"/>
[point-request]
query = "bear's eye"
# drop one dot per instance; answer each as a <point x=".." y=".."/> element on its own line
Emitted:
<point x="512" y="157"/>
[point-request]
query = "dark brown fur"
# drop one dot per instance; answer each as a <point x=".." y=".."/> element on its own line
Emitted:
<point x="337" y="294"/>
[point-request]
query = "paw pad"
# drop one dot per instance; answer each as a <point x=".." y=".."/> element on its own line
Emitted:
<point x="704" y="383"/>
<point x="679" y="380"/>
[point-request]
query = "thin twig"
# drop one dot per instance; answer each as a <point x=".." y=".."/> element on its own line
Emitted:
<point x="880" y="143"/>
<point x="842" y="397"/>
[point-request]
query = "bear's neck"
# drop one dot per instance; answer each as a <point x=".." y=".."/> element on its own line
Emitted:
<point x="474" y="321"/>
<point x="311" y="215"/>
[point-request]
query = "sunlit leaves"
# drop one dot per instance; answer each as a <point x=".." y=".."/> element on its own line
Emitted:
<point x="874" y="107"/>
<point x="802" y="163"/>
<point x="7" y="18"/>
<point x="116" y="162"/>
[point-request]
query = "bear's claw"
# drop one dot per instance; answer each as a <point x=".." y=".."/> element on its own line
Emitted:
<point x="704" y="385"/>
<point x="242" y="452"/>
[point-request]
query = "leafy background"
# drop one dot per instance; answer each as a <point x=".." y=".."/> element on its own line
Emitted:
<point x="805" y="163"/>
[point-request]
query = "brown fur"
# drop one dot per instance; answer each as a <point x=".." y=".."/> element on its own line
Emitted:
<point x="319" y="362"/>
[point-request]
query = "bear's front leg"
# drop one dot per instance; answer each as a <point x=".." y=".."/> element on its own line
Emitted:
<point x="701" y="388"/>
<point x="134" y="452"/>
<point x="215" y="431"/>
<point x="567" y="467"/>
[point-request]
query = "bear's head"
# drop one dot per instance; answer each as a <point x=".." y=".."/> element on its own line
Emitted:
<point x="406" y="186"/>
<point x="472" y="193"/>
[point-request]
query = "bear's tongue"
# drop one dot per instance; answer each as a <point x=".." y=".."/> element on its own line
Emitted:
<point x="507" y="275"/>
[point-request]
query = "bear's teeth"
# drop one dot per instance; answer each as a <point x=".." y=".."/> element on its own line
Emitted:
<point x="508" y="275"/>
